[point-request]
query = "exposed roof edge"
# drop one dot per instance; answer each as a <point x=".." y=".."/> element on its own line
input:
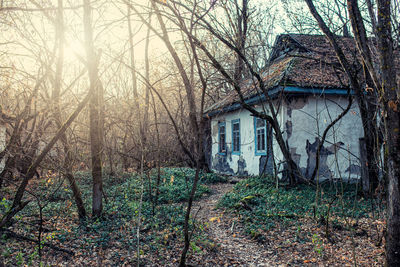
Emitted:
<point x="274" y="92"/>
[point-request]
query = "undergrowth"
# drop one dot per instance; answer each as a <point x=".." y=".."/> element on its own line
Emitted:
<point x="117" y="228"/>
<point x="262" y="206"/>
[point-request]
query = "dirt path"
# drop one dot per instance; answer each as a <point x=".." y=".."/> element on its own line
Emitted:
<point x="232" y="248"/>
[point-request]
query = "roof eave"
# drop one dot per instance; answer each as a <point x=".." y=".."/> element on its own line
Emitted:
<point x="274" y="92"/>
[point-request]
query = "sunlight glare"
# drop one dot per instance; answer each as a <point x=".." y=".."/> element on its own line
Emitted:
<point x="74" y="49"/>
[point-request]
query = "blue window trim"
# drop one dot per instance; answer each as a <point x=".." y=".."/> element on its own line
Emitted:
<point x="232" y="123"/>
<point x="219" y="138"/>
<point x="256" y="152"/>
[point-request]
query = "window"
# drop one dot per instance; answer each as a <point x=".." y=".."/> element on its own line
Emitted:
<point x="260" y="130"/>
<point x="221" y="138"/>
<point x="236" y="136"/>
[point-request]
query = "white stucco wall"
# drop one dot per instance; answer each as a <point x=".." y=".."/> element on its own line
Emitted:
<point x="247" y="142"/>
<point x="308" y="118"/>
<point x="302" y="120"/>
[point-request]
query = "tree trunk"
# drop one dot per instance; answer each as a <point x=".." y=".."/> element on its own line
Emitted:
<point x="366" y="98"/>
<point x="365" y="109"/>
<point x="56" y="98"/>
<point x="95" y="113"/>
<point x="18" y="205"/>
<point x="392" y="108"/>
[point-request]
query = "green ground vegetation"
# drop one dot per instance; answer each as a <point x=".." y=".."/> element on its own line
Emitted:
<point x="260" y="205"/>
<point x="126" y="196"/>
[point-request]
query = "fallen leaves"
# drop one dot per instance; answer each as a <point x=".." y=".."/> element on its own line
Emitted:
<point x="218" y="219"/>
<point x="227" y="243"/>
<point x="393" y="105"/>
<point x="312" y="260"/>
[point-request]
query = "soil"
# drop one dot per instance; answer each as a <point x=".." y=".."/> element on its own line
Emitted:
<point x="224" y="243"/>
<point x="285" y="245"/>
<point x="232" y="248"/>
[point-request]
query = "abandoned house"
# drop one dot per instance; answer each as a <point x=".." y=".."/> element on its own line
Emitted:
<point x="308" y="89"/>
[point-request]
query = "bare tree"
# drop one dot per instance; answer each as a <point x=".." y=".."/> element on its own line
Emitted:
<point x="384" y="79"/>
<point x="18" y="204"/>
<point x="196" y="120"/>
<point x="58" y="115"/>
<point x="96" y="112"/>
<point x="244" y="64"/>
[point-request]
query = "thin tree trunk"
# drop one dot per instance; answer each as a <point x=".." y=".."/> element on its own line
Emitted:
<point x="56" y="98"/>
<point x="188" y="87"/>
<point x="293" y="169"/>
<point x="17" y="204"/>
<point x="199" y="149"/>
<point x="133" y="70"/>
<point x="366" y="101"/>
<point x="365" y="113"/>
<point x="147" y="76"/>
<point x="155" y="203"/>
<point x="190" y="95"/>
<point x="182" y="262"/>
<point x="95" y="113"/>
<point x="142" y="125"/>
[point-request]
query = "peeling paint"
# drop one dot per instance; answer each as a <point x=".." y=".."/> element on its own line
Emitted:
<point x="295" y="156"/>
<point x="289" y="111"/>
<point x="266" y="165"/>
<point x="335" y="147"/>
<point x="241" y="167"/>
<point x="289" y="129"/>
<point x="354" y="169"/>
<point x="214" y="130"/>
<point x="220" y="164"/>
<point x="323" y="170"/>
<point x="298" y="102"/>
<point x="297" y="117"/>
<point x="207" y="143"/>
<point x="229" y="152"/>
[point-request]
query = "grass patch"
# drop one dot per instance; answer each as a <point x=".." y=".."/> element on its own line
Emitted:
<point x="176" y="184"/>
<point x="262" y="206"/>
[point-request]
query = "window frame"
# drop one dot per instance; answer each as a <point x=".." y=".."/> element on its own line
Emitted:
<point x="220" y="151"/>
<point x="235" y="152"/>
<point x="260" y="152"/>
